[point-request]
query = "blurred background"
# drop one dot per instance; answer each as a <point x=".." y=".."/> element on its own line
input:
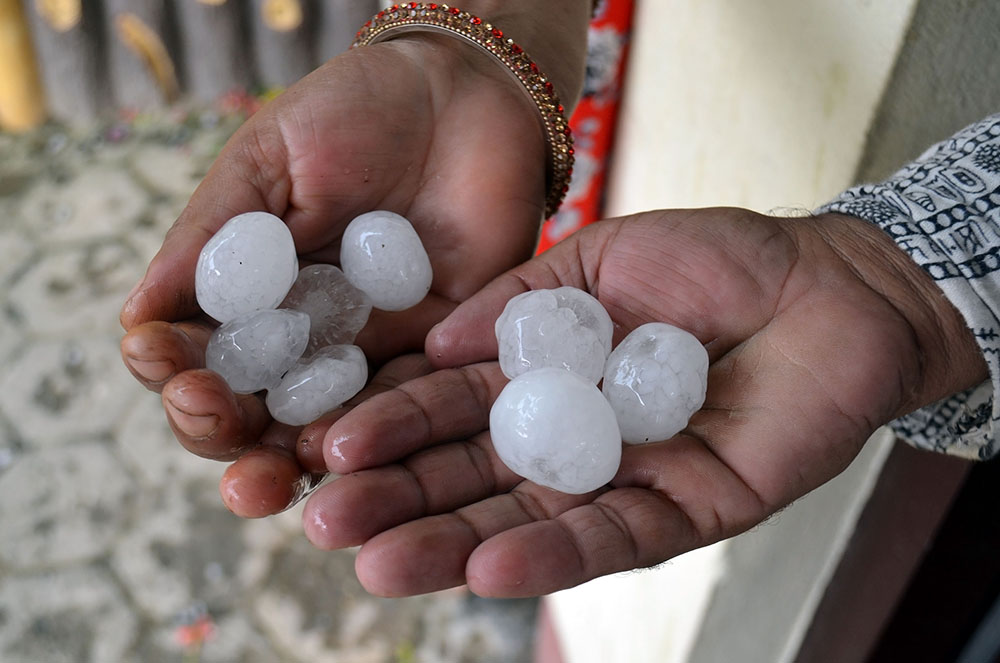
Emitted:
<point x="114" y="545"/>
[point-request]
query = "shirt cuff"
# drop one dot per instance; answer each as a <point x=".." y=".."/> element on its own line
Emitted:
<point x="944" y="211"/>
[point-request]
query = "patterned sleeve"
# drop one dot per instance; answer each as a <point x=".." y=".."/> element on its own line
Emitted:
<point x="944" y="210"/>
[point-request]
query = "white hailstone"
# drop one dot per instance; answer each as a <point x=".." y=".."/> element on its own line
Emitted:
<point x="382" y="255"/>
<point x="655" y="380"/>
<point x="555" y="428"/>
<point x="315" y="386"/>
<point x="252" y="352"/>
<point x="337" y="310"/>
<point x="565" y="327"/>
<point x="248" y="265"/>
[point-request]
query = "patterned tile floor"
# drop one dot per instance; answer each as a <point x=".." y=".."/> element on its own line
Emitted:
<point x="114" y="545"/>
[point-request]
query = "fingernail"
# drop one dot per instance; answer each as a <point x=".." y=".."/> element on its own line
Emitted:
<point x="128" y="311"/>
<point x="132" y="301"/>
<point x="193" y="425"/>
<point x="317" y="529"/>
<point x="335" y="446"/>
<point x="303" y="487"/>
<point x="153" y="371"/>
<point x="135" y="289"/>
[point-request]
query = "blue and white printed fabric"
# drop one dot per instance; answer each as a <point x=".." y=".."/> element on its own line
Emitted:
<point x="944" y="210"/>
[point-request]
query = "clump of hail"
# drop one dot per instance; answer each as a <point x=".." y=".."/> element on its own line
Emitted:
<point x="290" y="331"/>
<point x="551" y="424"/>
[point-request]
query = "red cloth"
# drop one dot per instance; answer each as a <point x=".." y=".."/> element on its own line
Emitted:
<point x="593" y="121"/>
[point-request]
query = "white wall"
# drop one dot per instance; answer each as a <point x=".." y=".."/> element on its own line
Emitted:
<point x="756" y="103"/>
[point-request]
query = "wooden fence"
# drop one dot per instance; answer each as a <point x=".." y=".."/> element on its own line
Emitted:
<point x="74" y="60"/>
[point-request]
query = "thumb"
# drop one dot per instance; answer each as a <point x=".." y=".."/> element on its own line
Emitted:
<point x="467" y="335"/>
<point x="236" y="183"/>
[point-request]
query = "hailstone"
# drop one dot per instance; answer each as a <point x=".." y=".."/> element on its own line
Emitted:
<point x="565" y="327"/>
<point x="381" y="254"/>
<point x="337" y="310"/>
<point x="655" y="380"/>
<point x="247" y="266"/>
<point x="315" y="386"/>
<point x="555" y="428"/>
<point x="252" y="352"/>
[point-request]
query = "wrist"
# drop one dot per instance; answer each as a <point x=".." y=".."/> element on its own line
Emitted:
<point x="949" y="357"/>
<point x="492" y="42"/>
<point x="553" y="33"/>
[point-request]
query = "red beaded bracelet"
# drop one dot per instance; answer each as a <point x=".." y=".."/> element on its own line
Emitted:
<point x="410" y="16"/>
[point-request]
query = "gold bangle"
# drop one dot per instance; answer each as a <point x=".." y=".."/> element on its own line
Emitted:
<point x="410" y="16"/>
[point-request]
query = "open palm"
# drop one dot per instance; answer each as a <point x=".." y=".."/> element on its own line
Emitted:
<point x="375" y="128"/>
<point x="808" y="357"/>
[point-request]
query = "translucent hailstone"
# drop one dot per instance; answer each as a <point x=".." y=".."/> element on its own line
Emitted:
<point x="655" y="380"/>
<point x="252" y="352"/>
<point x="382" y="255"/>
<point x="565" y="327"/>
<point x="248" y="265"/>
<point x="337" y="310"/>
<point x="555" y="428"/>
<point x="315" y="386"/>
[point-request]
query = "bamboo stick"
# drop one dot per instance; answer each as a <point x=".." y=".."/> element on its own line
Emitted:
<point x="22" y="105"/>
<point x="69" y="50"/>
<point x="140" y="57"/>
<point x="283" y="33"/>
<point x="339" y="22"/>
<point x="214" y="40"/>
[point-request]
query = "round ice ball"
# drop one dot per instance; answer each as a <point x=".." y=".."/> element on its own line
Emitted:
<point x="382" y="255"/>
<point x="248" y="265"/>
<point x="564" y="327"/>
<point x="555" y="428"/>
<point x="655" y="380"/>
<point x="318" y="385"/>
<point x="337" y="310"/>
<point x="252" y="352"/>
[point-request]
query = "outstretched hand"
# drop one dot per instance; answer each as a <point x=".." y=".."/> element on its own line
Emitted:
<point x="818" y="329"/>
<point x="376" y="128"/>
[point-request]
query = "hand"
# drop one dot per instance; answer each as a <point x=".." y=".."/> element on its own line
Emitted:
<point x="818" y="330"/>
<point x="376" y="128"/>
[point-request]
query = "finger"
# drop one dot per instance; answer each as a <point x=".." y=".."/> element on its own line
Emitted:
<point x="443" y="406"/>
<point x="309" y="449"/>
<point x="467" y="335"/>
<point x="156" y="351"/>
<point x="432" y="553"/>
<point x="263" y="482"/>
<point x="669" y="497"/>
<point x="621" y="530"/>
<point x="268" y="479"/>
<point x="208" y="419"/>
<point x="436" y="480"/>
<point x="272" y="477"/>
